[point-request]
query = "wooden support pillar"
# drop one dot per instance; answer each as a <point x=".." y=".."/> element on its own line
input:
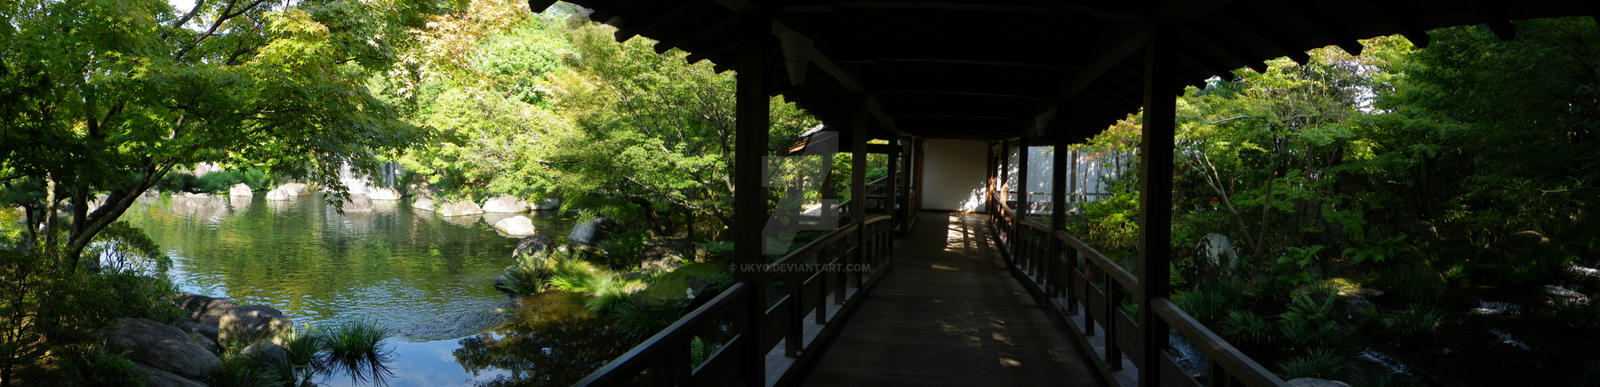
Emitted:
<point x="1072" y="179"/>
<point x="1022" y="180"/>
<point x="1058" y="212"/>
<point x="750" y="200"/>
<point x="988" y="178"/>
<point x="858" y="183"/>
<point x="892" y="196"/>
<point x="918" y="152"/>
<point x="1022" y="200"/>
<point x="1155" y="193"/>
<point x="1005" y="173"/>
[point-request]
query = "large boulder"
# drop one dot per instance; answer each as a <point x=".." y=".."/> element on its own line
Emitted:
<point x="533" y="246"/>
<point x="296" y="189"/>
<point x="459" y="208"/>
<point x="591" y="232"/>
<point x="517" y="226"/>
<point x="160" y="346"/>
<point x="1314" y="382"/>
<point x="279" y="195"/>
<point x="384" y="193"/>
<point x="547" y="204"/>
<point x="157" y="378"/>
<point x="265" y="352"/>
<point x="195" y="328"/>
<point x="490" y="218"/>
<point x="250" y="322"/>
<point x="358" y="202"/>
<point x="505" y="204"/>
<point x="204" y="310"/>
<point x="423" y="203"/>
<point x="240" y="190"/>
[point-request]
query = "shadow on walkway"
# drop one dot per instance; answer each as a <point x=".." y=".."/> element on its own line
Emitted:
<point x="949" y="314"/>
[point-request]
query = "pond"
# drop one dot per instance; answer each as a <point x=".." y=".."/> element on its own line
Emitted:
<point x="428" y="277"/>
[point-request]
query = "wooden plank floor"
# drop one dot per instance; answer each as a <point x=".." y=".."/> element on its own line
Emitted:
<point x="949" y="314"/>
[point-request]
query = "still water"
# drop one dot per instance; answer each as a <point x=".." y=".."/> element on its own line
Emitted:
<point x="428" y="277"/>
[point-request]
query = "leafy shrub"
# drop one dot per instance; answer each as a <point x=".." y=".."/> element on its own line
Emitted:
<point x="105" y="369"/>
<point x="1308" y="323"/>
<point x="1321" y="364"/>
<point x="1248" y="328"/>
<point x="121" y="247"/>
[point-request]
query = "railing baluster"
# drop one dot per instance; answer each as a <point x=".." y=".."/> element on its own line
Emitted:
<point x="1113" y="300"/>
<point x="794" y="343"/>
<point x="1072" y="293"/>
<point x="822" y="289"/>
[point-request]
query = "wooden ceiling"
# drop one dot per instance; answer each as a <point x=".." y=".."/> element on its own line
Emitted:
<point x="997" y="69"/>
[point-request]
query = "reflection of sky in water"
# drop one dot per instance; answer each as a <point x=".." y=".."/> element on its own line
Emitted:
<point x="428" y="363"/>
<point x="319" y="267"/>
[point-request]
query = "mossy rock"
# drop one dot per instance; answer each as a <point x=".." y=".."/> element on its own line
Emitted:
<point x="674" y="285"/>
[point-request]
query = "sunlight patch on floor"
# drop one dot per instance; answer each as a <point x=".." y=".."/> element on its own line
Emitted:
<point x="1002" y="337"/>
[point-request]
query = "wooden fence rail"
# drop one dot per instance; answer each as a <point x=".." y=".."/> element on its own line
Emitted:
<point x="820" y="280"/>
<point x="1095" y="296"/>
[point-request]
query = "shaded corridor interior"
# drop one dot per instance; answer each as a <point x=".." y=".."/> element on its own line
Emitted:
<point x="949" y="314"/>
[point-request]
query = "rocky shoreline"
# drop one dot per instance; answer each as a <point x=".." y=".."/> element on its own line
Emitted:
<point x="190" y="350"/>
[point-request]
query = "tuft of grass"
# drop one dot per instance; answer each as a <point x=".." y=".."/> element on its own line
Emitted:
<point x="1321" y="364"/>
<point x="241" y="372"/>
<point x="1415" y="322"/>
<point x="1210" y="303"/>
<point x="355" y="348"/>
<point x="1247" y="327"/>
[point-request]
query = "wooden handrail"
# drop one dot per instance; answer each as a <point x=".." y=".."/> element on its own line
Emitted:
<point x="1121" y="275"/>
<point x="1234" y="362"/>
<point x="665" y="354"/>
<point x="636" y="360"/>
<point x="1042" y="269"/>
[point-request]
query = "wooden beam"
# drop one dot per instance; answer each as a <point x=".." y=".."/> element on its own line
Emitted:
<point x="1407" y="25"/>
<point x="1276" y="41"/>
<point x="752" y="119"/>
<point x="1155" y="199"/>
<point x="1230" y="50"/>
<point x="1335" y="31"/>
<point x="980" y="52"/>
<point x="1019" y="7"/>
<point x="1134" y="38"/>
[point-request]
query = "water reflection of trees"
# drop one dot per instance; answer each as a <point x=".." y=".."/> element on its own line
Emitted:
<point x="553" y="341"/>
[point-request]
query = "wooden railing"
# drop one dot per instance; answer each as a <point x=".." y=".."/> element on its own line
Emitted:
<point x="1089" y="291"/>
<point x="808" y="291"/>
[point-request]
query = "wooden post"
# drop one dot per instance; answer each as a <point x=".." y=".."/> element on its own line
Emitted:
<point x="892" y="196"/>
<point x="919" y="151"/>
<point x="858" y="185"/>
<point x="750" y="199"/>
<point x="1072" y="180"/>
<point x="1058" y="212"/>
<point x="1017" y="245"/>
<point x="988" y="178"/>
<point x="1155" y="193"/>
<point x="1005" y="172"/>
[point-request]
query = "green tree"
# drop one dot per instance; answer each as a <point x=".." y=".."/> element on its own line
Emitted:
<point x="108" y="96"/>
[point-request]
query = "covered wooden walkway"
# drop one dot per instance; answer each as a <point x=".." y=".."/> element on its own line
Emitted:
<point x="950" y="314"/>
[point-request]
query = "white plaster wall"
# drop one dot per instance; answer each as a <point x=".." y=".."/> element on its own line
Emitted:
<point x="953" y="177"/>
